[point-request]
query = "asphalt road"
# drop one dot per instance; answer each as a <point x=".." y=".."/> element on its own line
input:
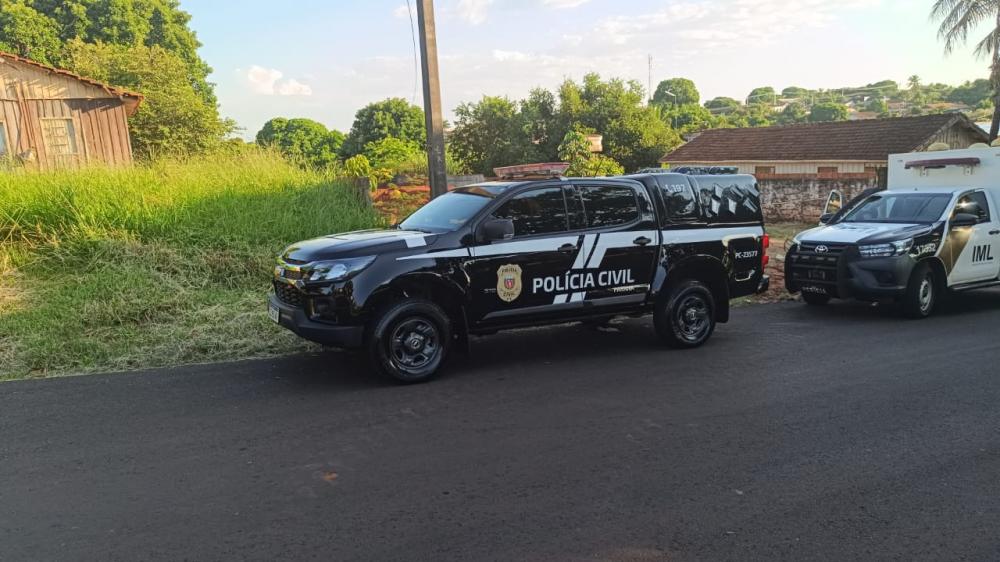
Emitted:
<point x="798" y="433"/>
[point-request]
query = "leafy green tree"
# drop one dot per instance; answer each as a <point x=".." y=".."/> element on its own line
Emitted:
<point x="722" y="105"/>
<point x="29" y="26"/>
<point x="302" y="140"/>
<point x="173" y="118"/>
<point x="972" y="93"/>
<point x="795" y="92"/>
<point x="885" y="88"/>
<point x="539" y="121"/>
<point x="575" y="149"/>
<point x="877" y="105"/>
<point x="959" y="18"/>
<point x="676" y="91"/>
<point x="26" y="32"/>
<point x="634" y="135"/>
<point x="691" y="118"/>
<point x="828" y="111"/>
<point x="391" y="152"/>
<point x="796" y="112"/>
<point x="490" y="133"/>
<point x="393" y="117"/>
<point x="764" y="95"/>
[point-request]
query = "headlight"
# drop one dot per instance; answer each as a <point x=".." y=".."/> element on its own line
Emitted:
<point x="886" y="250"/>
<point x="338" y="270"/>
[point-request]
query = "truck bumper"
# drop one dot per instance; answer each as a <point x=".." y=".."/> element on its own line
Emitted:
<point x="853" y="277"/>
<point x="296" y="320"/>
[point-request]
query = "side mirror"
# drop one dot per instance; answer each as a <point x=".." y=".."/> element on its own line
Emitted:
<point x="495" y="229"/>
<point x="825" y="218"/>
<point x="963" y="220"/>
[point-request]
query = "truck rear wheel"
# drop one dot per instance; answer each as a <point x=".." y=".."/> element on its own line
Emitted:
<point x="921" y="293"/>
<point x="410" y="340"/>
<point x="686" y="318"/>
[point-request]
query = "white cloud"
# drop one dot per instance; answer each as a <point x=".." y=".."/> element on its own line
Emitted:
<point x="505" y="56"/>
<point x="268" y="82"/>
<point x="562" y="4"/>
<point x="401" y="11"/>
<point x="474" y="11"/>
<point x="293" y="87"/>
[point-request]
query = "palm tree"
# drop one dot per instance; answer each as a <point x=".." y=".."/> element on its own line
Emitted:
<point x="958" y="18"/>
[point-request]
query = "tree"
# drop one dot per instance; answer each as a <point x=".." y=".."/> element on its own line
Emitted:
<point x="25" y="32"/>
<point x="390" y="152"/>
<point x="29" y="27"/>
<point x="971" y="93"/>
<point x="884" y="88"/>
<point x="490" y="133"/>
<point x="764" y="95"/>
<point x="676" y="91"/>
<point x="795" y="92"/>
<point x="393" y="117"/>
<point x="633" y="133"/>
<point x="173" y="118"/>
<point x="690" y="118"/>
<point x="796" y="112"/>
<point x="722" y="105"/>
<point x="828" y="111"/>
<point x="302" y="140"/>
<point x="575" y="149"/>
<point x="877" y="105"/>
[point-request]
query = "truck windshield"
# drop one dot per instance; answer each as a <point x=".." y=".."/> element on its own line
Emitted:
<point x="901" y="208"/>
<point x="448" y="212"/>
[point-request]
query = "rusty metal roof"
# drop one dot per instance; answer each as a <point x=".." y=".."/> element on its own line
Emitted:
<point x="131" y="99"/>
<point x="866" y="140"/>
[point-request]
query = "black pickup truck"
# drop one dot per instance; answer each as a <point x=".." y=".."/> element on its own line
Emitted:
<point x="498" y="255"/>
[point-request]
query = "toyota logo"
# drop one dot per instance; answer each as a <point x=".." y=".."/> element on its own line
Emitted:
<point x="821" y="249"/>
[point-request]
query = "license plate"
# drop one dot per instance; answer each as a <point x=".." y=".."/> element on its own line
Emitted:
<point x="274" y="313"/>
<point x="814" y="290"/>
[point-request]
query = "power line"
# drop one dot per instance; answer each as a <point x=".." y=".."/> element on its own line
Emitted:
<point x="416" y="63"/>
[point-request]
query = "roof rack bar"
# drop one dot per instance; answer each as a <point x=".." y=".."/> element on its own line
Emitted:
<point x="938" y="163"/>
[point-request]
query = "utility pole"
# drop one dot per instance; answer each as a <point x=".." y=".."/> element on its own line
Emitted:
<point x="432" y="98"/>
<point x="650" y="80"/>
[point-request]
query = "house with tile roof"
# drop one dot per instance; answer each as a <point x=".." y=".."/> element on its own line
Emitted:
<point x="798" y="165"/>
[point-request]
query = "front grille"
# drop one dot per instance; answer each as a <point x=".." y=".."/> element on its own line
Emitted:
<point x="810" y="266"/>
<point x="289" y="294"/>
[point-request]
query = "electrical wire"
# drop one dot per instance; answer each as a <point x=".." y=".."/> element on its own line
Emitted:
<point x="416" y="63"/>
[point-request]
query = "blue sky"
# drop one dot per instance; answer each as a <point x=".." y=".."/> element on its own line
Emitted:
<point x="325" y="59"/>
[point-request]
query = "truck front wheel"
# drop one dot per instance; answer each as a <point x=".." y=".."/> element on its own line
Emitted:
<point x="686" y="318"/>
<point x="921" y="293"/>
<point x="410" y="340"/>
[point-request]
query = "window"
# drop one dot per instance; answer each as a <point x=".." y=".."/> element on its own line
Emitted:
<point x="764" y="170"/>
<point x="3" y="139"/>
<point x="900" y="208"/>
<point x="542" y="211"/>
<point x="59" y="136"/>
<point x="609" y="205"/>
<point x="974" y="203"/>
<point x="827" y="171"/>
<point x="678" y="198"/>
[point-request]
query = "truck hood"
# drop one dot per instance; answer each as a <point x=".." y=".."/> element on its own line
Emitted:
<point x="355" y="244"/>
<point x="864" y="232"/>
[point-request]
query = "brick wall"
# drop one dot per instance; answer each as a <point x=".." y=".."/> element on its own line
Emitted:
<point x="802" y="200"/>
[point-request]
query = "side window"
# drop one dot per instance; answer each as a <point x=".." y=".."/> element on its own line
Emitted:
<point x="541" y="211"/>
<point x="609" y="205"/>
<point x="974" y="203"/>
<point x="679" y="202"/>
<point x="59" y="136"/>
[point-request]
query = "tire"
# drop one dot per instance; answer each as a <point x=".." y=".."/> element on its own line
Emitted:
<point x="686" y="317"/>
<point x="815" y="299"/>
<point x="410" y="340"/>
<point x="922" y="292"/>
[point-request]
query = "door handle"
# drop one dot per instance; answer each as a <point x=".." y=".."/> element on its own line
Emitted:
<point x="567" y="248"/>
<point x="641" y="241"/>
<point x="994" y="232"/>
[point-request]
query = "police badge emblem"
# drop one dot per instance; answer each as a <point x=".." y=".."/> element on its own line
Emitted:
<point x="509" y="282"/>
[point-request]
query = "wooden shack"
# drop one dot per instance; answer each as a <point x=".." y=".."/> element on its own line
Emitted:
<point x="52" y="118"/>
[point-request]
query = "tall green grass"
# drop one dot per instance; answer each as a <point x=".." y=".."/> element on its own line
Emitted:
<point x="110" y="269"/>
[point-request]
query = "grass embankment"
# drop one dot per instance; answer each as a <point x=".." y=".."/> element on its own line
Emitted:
<point x="104" y="270"/>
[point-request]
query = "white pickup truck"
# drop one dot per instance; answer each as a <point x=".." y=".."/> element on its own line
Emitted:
<point x="936" y="228"/>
